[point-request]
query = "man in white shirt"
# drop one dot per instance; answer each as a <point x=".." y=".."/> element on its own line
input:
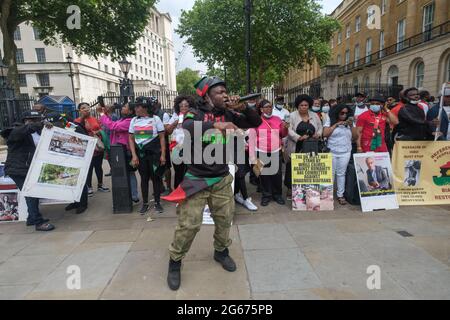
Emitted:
<point x="280" y="111"/>
<point x="360" y="106"/>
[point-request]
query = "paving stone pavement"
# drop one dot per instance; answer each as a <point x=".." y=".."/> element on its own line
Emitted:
<point x="280" y="254"/>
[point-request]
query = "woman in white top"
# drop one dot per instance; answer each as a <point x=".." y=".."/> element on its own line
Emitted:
<point x="148" y="149"/>
<point x="340" y="132"/>
<point x="306" y="118"/>
<point x="182" y="105"/>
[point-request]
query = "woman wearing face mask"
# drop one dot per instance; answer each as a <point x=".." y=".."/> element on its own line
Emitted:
<point x="371" y="126"/>
<point x="304" y="124"/>
<point x="268" y="146"/>
<point x="340" y="131"/>
<point x="325" y="114"/>
<point x="412" y="123"/>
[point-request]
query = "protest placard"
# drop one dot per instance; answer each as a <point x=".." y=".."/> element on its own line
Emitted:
<point x="312" y="182"/>
<point x="422" y="172"/>
<point x="60" y="165"/>
<point x="375" y="181"/>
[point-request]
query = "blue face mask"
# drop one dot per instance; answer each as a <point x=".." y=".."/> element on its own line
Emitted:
<point x="326" y="108"/>
<point x="375" y="108"/>
<point x="316" y="109"/>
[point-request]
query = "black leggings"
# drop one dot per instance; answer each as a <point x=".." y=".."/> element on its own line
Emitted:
<point x="147" y="172"/>
<point x="239" y="181"/>
<point x="96" y="163"/>
<point x="180" y="171"/>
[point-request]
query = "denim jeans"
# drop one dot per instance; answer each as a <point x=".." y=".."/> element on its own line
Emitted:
<point x="340" y="163"/>
<point x="134" y="186"/>
<point x="34" y="215"/>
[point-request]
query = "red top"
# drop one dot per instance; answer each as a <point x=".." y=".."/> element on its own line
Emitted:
<point x="91" y="124"/>
<point x="446" y="166"/>
<point x="367" y="122"/>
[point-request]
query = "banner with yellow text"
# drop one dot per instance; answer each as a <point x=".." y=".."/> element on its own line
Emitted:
<point x="312" y="182"/>
<point x="422" y="172"/>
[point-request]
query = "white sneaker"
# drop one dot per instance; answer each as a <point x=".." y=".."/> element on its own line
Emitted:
<point x="249" y="205"/>
<point x="239" y="199"/>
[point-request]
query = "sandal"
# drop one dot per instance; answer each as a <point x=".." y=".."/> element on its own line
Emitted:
<point x="342" y="201"/>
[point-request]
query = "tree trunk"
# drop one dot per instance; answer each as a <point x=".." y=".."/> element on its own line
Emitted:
<point x="8" y="25"/>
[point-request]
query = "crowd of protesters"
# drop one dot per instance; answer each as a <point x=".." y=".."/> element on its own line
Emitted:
<point x="153" y="140"/>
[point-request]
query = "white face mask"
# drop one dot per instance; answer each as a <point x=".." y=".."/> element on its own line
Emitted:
<point x="316" y="109"/>
<point x="326" y="108"/>
<point x="279" y="106"/>
<point x="251" y="105"/>
<point x="413" y="101"/>
<point x="268" y="116"/>
<point x="361" y="104"/>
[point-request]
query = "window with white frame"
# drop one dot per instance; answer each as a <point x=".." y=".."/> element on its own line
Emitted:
<point x="428" y="19"/>
<point x="357" y="56"/>
<point x="339" y="37"/>
<point x="348" y="31"/>
<point x="420" y="75"/>
<point x="19" y="56"/>
<point x="17" y="35"/>
<point x="44" y="79"/>
<point x="347" y="57"/>
<point x="383" y="6"/>
<point x="368" y="50"/>
<point x="40" y="55"/>
<point x="358" y="24"/>
<point x="401" y="34"/>
<point x="382" y="44"/>
<point x="22" y="80"/>
<point x="37" y="35"/>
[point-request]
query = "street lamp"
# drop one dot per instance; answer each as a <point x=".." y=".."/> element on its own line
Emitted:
<point x="248" y="47"/>
<point x="71" y="75"/>
<point x="126" y="85"/>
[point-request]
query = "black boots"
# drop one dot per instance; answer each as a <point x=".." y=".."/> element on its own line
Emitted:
<point x="174" y="276"/>
<point x="225" y="260"/>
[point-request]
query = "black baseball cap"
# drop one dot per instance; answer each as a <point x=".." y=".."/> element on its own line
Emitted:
<point x="31" y="114"/>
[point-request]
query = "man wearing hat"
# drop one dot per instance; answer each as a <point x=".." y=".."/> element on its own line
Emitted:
<point x="22" y="141"/>
<point x="208" y="183"/>
<point x="371" y="126"/>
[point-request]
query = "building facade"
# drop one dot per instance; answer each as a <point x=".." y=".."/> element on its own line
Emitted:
<point x="385" y="44"/>
<point x="45" y="69"/>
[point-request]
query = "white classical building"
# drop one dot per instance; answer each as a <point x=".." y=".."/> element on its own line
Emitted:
<point x="45" y="69"/>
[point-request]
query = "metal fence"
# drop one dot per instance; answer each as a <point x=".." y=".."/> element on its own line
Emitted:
<point x="348" y="91"/>
<point x="11" y="107"/>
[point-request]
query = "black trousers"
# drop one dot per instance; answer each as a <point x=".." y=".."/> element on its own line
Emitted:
<point x="288" y="175"/>
<point x="239" y="180"/>
<point x="272" y="184"/>
<point x="96" y="163"/>
<point x="180" y="171"/>
<point x="147" y="162"/>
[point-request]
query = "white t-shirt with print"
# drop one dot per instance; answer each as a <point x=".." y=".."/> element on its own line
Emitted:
<point x="145" y="129"/>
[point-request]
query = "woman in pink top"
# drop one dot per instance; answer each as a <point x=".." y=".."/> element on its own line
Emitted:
<point x="268" y="147"/>
<point x="119" y="135"/>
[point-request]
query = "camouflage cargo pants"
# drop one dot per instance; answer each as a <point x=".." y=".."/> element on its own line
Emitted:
<point x="219" y="198"/>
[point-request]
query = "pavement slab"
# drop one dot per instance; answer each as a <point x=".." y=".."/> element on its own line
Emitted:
<point x="265" y="236"/>
<point x="56" y="243"/>
<point x="97" y="263"/>
<point x="11" y="244"/>
<point x="279" y="270"/>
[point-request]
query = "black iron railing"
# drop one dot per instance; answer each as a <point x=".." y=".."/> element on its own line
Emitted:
<point x="375" y="58"/>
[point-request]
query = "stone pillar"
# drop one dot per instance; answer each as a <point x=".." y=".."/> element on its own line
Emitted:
<point x="413" y="17"/>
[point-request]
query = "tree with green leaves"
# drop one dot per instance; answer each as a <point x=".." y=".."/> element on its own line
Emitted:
<point x="107" y="27"/>
<point x="186" y="79"/>
<point x="284" y="34"/>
